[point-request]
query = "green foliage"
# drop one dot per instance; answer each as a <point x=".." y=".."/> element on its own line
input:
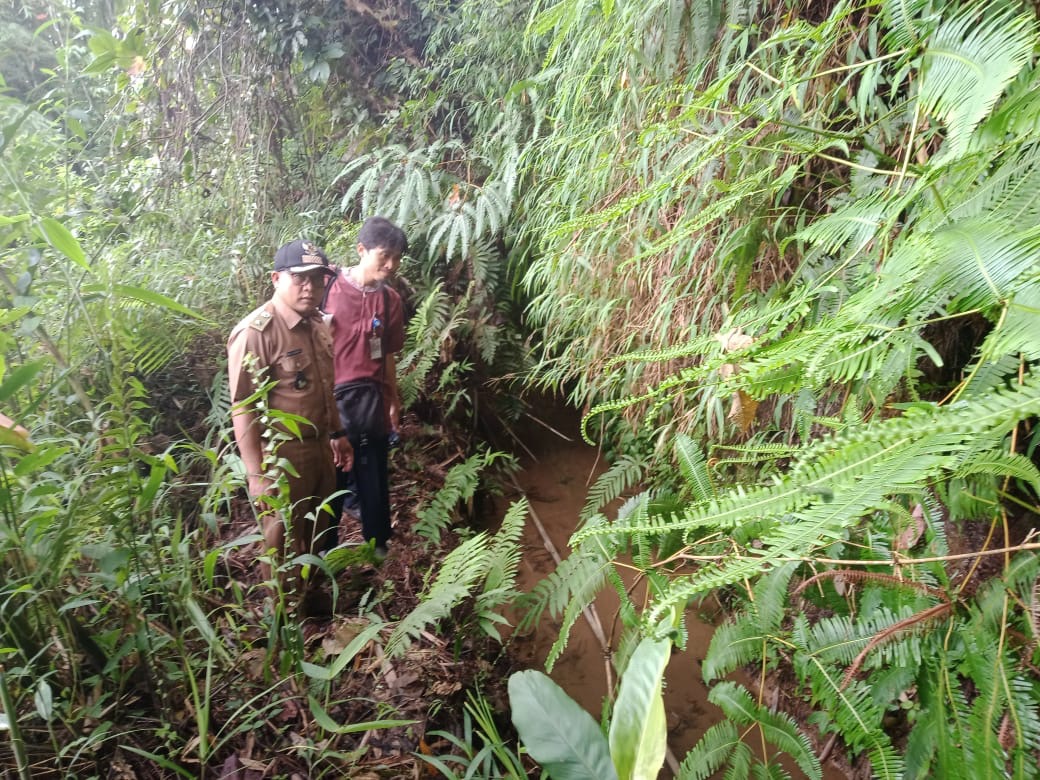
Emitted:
<point x="638" y="730"/>
<point x="721" y="745"/>
<point x="556" y="731"/>
<point x="749" y="636"/>
<point x="496" y="759"/>
<point x="482" y="571"/>
<point x="569" y="588"/>
<point x="834" y="483"/>
<point x="429" y="329"/>
<point x="566" y="741"/>
<point x="623" y="473"/>
<point x="852" y="187"/>
<point x="460" y="485"/>
<point x="451" y="344"/>
<point x="462" y="331"/>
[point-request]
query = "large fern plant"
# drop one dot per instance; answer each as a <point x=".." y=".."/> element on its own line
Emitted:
<point x="881" y="159"/>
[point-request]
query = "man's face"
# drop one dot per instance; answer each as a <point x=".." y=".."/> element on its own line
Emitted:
<point x="377" y="264"/>
<point x="301" y="291"/>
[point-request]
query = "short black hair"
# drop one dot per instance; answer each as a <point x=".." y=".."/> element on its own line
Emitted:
<point x="381" y="233"/>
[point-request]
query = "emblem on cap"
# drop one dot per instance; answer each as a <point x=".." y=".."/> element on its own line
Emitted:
<point x="301" y="255"/>
<point x="310" y="255"/>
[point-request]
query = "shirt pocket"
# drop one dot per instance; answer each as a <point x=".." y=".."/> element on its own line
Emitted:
<point x="297" y="392"/>
<point x="295" y="373"/>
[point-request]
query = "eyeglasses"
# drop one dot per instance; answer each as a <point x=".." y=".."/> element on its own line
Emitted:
<point x="316" y="278"/>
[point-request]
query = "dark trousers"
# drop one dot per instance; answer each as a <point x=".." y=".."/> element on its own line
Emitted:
<point x="370" y="481"/>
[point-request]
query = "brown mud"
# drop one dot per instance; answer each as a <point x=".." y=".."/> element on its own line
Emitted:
<point x="557" y="471"/>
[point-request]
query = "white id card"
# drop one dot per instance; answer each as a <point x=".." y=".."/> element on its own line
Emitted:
<point x="375" y="347"/>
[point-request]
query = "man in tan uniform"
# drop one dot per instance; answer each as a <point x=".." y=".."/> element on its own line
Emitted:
<point x="290" y="346"/>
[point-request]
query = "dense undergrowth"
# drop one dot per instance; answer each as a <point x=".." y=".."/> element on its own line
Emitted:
<point x="782" y="255"/>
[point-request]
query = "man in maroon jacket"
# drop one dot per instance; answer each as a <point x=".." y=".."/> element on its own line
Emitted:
<point x="367" y="325"/>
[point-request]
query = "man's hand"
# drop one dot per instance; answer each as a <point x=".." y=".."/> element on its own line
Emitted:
<point x="342" y="453"/>
<point x="259" y="486"/>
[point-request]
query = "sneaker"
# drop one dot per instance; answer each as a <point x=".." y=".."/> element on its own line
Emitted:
<point x="381" y="552"/>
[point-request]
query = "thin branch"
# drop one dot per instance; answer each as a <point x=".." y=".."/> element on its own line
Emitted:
<point x="897" y="560"/>
<point x="870" y="576"/>
<point x="932" y="613"/>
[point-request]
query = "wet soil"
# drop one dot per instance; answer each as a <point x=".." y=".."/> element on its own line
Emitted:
<point x="555" y="478"/>
<point x="557" y="471"/>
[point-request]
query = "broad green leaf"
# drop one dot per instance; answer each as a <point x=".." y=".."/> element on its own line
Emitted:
<point x="165" y="763"/>
<point x="557" y="732"/>
<point x="345" y="657"/>
<point x="38" y="460"/>
<point x="82" y="601"/>
<point x="201" y="622"/>
<point x="638" y="732"/>
<point x="59" y="237"/>
<point x="145" y="296"/>
<point x="102" y="42"/>
<point x="151" y="487"/>
<point x="209" y="566"/>
<point x="314" y="671"/>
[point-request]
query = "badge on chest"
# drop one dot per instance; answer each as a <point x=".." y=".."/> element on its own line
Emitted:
<point x="375" y="348"/>
<point x="375" y="340"/>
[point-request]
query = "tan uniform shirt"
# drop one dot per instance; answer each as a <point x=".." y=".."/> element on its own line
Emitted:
<point x="296" y="352"/>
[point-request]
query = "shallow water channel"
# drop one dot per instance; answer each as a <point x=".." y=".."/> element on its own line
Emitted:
<point x="555" y="477"/>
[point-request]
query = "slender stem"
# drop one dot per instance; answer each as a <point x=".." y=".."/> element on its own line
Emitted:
<point x="17" y="743"/>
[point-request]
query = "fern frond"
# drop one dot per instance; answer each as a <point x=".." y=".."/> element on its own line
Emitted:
<point x="504" y="556"/>
<point x="711" y="753"/>
<point x="1023" y="719"/>
<point x="422" y="348"/>
<point x="747" y="635"/>
<point x="694" y="468"/>
<point x="1001" y="464"/>
<point x="985" y="260"/>
<point x="778" y="729"/>
<point x="868" y="577"/>
<point x="458" y="574"/>
<point x="854" y="711"/>
<point x="569" y="589"/>
<point x="913" y="622"/>
<point x="625" y="472"/>
<point x="969" y="60"/>
<point x="460" y="484"/>
<point x="837" y="481"/>
<point x="582" y="571"/>
<point x="1015" y="334"/>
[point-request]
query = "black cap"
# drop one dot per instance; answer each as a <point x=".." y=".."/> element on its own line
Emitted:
<point x="299" y="256"/>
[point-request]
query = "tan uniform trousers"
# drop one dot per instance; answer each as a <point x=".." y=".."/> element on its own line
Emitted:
<point x="316" y="481"/>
